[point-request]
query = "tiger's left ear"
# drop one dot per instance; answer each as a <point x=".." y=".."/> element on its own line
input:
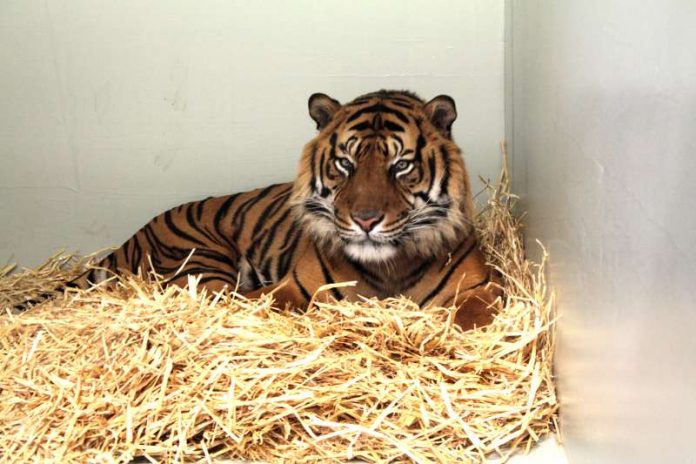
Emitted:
<point x="322" y="108"/>
<point x="441" y="112"/>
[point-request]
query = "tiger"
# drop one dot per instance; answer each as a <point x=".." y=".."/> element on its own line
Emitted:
<point x="381" y="198"/>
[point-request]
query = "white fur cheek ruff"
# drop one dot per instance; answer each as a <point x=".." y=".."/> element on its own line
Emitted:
<point x="370" y="252"/>
<point x="321" y="227"/>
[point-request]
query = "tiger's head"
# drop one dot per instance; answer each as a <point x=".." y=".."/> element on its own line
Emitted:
<point x="383" y="178"/>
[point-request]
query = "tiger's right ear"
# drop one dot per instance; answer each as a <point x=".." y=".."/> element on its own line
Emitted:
<point x="322" y="108"/>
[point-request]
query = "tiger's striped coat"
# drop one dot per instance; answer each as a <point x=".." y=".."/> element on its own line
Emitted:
<point x="382" y="198"/>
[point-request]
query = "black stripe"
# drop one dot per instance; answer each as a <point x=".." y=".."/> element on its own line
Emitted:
<point x="204" y="262"/>
<point x="320" y="170"/>
<point x="269" y="210"/>
<point x="286" y="256"/>
<point x="172" y="226"/>
<point x="196" y="225"/>
<point x="157" y="247"/>
<point x="199" y="208"/>
<point x="216" y="256"/>
<point x="369" y="276"/>
<point x="394" y="225"/>
<point x="392" y="126"/>
<point x="400" y="145"/>
<point x="378" y="108"/>
<point x="419" y="148"/>
<point x="255" y="282"/>
<point x="332" y="153"/>
<point x="271" y="234"/>
<point x="221" y="214"/>
<point x="445" y="177"/>
<point x="266" y="269"/>
<point x="401" y="103"/>
<point x="312" y="159"/>
<point x="416" y="275"/>
<point x="128" y="250"/>
<point x="403" y="97"/>
<point x="316" y="208"/>
<point x="136" y="256"/>
<point x="361" y="126"/>
<point x="327" y="275"/>
<point x="422" y="195"/>
<point x="303" y="290"/>
<point x="296" y="229"/>
<point x="324" y="166"/>
<point x="449" y="273"/>
<point x="431" y="167"/>
<point x="239" y="217"/>
<point x="168" y="251"/>
<point x="361" y="101"/>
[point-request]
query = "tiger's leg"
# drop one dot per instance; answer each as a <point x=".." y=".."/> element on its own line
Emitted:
<point x="313" y="270"/>
<point x="466" y="282"/>
<point x="476" y="307"/>
<point x="477" y="298"/>
<point x="286" y="294"/>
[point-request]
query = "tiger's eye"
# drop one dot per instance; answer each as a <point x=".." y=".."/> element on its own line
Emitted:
<point x="402" y="165"/>
<point x="345" y="164"/>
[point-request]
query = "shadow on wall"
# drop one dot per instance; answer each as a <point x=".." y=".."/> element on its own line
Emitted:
<point x="610" y="191"/>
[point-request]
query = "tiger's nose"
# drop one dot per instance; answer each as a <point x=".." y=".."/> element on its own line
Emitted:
<point x="367" y="219"/>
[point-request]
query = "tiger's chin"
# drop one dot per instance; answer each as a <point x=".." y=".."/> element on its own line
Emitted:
<point x="367" y="251"/>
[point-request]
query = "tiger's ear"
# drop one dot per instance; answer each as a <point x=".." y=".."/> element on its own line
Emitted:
<point x="441" y="112"/>
<point x="322" y="108"/>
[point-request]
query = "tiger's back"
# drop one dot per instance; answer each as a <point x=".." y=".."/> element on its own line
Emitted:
<point x="244" y="241"/>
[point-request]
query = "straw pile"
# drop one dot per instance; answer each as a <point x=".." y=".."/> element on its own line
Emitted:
<point x="173" y="375"/>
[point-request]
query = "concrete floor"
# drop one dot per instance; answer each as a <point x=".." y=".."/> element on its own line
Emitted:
<point x="547" y="451"/>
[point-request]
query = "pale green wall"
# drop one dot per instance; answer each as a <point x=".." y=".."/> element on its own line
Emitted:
<point x="113" y="111"/>
<point x="604" y="127"/>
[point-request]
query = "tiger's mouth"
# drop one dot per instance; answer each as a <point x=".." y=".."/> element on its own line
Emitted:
<point x="420" y="235"/>
<point x="422" y="231"/>
<point x="382" y="242"/>
<point x="376" y="245"/>
<point x="370" y="250"/>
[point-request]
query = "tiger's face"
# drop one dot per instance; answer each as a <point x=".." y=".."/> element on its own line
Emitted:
<point x="383" y="178"/>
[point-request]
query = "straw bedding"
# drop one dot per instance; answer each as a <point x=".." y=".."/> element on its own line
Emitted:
<point x="171" y="375"/>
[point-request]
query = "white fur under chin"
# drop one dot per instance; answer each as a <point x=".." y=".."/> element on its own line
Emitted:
<point x="370" y="252"/>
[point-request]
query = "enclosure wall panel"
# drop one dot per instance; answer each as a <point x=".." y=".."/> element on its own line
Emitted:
<point x="603" y="121"/>
<point x="113" y="111"/>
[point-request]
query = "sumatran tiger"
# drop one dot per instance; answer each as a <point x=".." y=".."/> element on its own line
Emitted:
<point x="382" y="197"/>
